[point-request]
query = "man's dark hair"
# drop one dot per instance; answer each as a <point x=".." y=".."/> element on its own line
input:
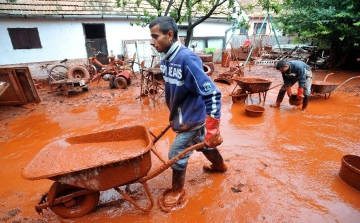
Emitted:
<point x="166" y="24"/>
<point x="281" y="64"/>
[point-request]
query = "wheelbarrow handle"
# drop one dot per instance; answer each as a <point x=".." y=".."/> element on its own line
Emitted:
<point x="274" y="86"/>
<point x="166" y="165"/>
<point x="327" y="76"/>
<point x="133" y="202"/>
<point x="161" y="134"/>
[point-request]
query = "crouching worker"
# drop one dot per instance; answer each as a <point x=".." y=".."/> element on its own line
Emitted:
<point x="292" y="72"/>
<point x="194" y="103"/>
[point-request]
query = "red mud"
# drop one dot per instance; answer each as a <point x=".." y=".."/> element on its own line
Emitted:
<point x="283" y="166"/>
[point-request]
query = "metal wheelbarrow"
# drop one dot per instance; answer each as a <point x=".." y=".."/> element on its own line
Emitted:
<point x="250" y="85"/>
<point x="84" y="165"/>
<point x="325" y="87"/>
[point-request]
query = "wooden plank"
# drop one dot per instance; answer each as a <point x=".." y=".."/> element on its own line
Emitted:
<point x="3" y="87"/>
<point x="14" y="95"/>
<point x="27" y="84"/>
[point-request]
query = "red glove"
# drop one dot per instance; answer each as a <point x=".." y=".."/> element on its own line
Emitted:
<point x="212" y="137"/>
<point x="300" y="93"/>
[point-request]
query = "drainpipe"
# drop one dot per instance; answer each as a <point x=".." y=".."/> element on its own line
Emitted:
<point x="226" y="32"/>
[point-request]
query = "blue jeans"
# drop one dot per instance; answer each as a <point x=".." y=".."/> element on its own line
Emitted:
<point x="182" y="141"/>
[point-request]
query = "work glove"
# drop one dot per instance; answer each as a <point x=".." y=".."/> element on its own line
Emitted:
<point x="300" y="94"/>
<point x="212" y="137"/>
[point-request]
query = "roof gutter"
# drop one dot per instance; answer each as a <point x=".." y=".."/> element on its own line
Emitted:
<point x="130" y="17"/>
<point x="22" y="16"/>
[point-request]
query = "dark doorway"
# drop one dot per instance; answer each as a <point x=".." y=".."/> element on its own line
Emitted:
<point x="95" y="38"/>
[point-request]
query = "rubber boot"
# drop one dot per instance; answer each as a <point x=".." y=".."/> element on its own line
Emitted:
<point x="279" y="98"/>
<point x="217" y="162"/>
<point x="305" y="102"/>
<point x="174" y="196"/>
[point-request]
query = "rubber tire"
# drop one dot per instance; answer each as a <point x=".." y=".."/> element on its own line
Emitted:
<point x="207" y="70"/>
<point x="78" y="72"/>
<point x="58" y="72"/>
<point x="120" y="82"/>
<point x="112" y="82"/>
<point x="84" y="204"/>
<point x="211" y="65"/>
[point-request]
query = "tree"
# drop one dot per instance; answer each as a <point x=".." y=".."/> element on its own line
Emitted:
<point x="334" y="24"/>
<point x="194" y="12"/>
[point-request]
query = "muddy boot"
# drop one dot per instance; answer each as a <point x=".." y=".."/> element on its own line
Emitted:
<point x="305" y="102"/>
<point x="279" y="98"/>
<point x="174" y="196"/>
<point x="217" y="162"/>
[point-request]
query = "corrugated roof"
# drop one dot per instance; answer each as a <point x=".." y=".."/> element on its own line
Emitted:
<point x="76" y="7"/>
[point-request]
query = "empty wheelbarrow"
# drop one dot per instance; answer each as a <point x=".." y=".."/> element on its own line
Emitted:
<point x="326" y="87"/>
<point x="250" y="85"/>
<point x="84" y="165"/>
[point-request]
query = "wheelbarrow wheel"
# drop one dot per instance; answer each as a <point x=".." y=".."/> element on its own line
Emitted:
<point x="75" y="207"/>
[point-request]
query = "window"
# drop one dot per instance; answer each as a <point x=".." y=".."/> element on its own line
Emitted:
<point x="243" y="30"/>
<point x="257" y="27"/>
<point x="24" y="38"/>
<point x="182" y="30"/>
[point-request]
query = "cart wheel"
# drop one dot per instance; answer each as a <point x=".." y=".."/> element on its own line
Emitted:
<point x="120" y="82"/>
<point x="78" y="72"/>
<point x="57" y="73"/>
<point x="75" y="207"/>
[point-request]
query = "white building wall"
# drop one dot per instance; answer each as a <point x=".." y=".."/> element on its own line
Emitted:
<point x="118" y="31"/>
<point x="65" y="38"/>
<point x="59" y="39"/>
<point x="211" y="29"/>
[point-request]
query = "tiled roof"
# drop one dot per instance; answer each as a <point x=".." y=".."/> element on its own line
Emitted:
<point x="74" y="7"/>
<point x="64" y="7"/>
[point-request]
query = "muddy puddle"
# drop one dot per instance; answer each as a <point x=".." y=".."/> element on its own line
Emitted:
<point x="283" y="166"/>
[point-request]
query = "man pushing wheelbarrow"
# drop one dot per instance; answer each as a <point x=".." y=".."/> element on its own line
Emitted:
<point x="194" y="103"/>
<point x="82" y="166"/>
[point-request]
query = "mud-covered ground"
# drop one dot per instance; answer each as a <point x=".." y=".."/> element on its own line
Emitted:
<point x="283" y="166"/>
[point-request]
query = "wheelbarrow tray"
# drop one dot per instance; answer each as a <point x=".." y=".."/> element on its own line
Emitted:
<point x="96" y="161"/>
<point x="253" y="85"/>
<point x="323" y="87"/>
